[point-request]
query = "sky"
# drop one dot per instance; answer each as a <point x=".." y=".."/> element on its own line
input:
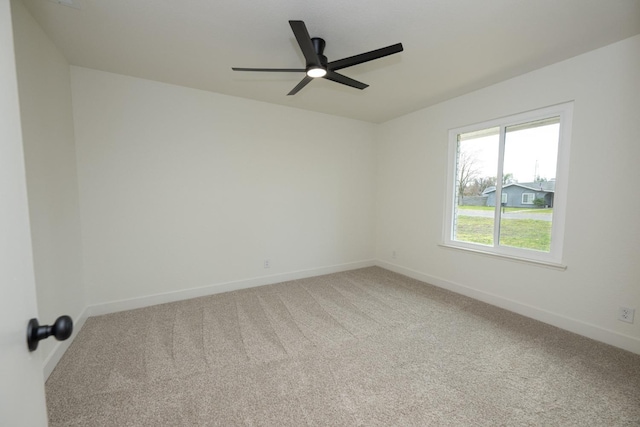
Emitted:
<point x="527" y="151"/>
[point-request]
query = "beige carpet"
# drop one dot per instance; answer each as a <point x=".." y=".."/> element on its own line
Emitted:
<point x="365" y="347"/>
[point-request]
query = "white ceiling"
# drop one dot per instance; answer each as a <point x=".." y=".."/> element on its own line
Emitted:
<point x="451" y="47"/>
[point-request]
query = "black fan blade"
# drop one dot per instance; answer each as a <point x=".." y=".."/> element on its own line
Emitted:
<point x="339" y="78"/>
<point x="365" y="57"/>
<point x="275" y="70"/>
<point x="304" y="41"/>
<point x="300" y="85"/>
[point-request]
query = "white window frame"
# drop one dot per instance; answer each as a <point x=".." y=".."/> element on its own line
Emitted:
<point x="554" y="256"/>
<point x="530" y="198"/>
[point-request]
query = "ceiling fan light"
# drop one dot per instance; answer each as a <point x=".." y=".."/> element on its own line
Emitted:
<point x="316" y="72"/>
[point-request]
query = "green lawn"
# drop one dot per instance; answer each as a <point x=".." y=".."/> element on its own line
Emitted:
<point x="491" y="208"/>
<point x="520" y="233"/>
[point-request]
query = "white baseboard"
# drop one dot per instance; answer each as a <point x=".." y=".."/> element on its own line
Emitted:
<point x="58" y="351"/>
<point x="576" y="326"/>
<point x="146" y="301"/>
<point x="588" y="330"/>
<point x="60" y="347"/>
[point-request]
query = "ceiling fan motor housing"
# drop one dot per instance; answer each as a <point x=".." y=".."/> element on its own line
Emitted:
<point x="319" y="45"/>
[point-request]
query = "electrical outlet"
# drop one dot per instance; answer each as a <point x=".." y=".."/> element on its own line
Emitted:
<point x="267" y="263"/>
<point x="625" y="314"/>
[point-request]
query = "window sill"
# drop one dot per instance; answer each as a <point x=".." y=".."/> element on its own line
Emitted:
<point x="538" y="263"/>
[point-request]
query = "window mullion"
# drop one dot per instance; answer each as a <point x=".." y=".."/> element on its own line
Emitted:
<point x="496" y="219"/>
<point x="478" y="153"/>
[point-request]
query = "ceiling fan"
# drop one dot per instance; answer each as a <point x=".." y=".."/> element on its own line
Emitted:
<point x="318" y="65"/>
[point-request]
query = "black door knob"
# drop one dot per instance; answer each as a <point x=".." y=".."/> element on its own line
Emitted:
<point x="61" y="329"/>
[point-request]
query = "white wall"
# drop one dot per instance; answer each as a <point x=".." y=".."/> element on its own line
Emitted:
<point x="184" y="192"/>
<point x="47" y="127"/>
<point x="602" y="237"/>
<point x="183" y="189"/>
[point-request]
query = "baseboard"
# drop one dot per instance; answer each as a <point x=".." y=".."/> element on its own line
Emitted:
<point x="60" y="347"/>
<point x="146" y="301"/>
<point x="573" y="325"/>
<point x="585" y="329"/>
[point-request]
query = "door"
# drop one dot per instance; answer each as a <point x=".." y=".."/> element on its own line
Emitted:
<point x="22" y="401"/>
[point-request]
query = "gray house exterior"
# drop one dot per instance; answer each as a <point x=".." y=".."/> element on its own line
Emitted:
<point x="522" y="194"/>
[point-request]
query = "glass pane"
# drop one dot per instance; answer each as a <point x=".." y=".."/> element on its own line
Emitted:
<point x="529" y="174"/>
<point x="476" y="170"/>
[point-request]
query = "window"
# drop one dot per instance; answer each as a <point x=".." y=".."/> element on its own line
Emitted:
<point x="521" y="161"/>
<point x="528" y="198"/>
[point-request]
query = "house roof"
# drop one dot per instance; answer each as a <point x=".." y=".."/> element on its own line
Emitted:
<point x="450" y="47"/>
<point x="546" y="186"/>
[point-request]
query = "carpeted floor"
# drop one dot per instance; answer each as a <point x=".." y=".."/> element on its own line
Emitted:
<point x="365" y="347"/>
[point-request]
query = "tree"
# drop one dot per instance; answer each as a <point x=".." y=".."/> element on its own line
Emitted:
<point x="507" y="178"/>
<point x="467" y="171"/>
<point x="481" y="184"/>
